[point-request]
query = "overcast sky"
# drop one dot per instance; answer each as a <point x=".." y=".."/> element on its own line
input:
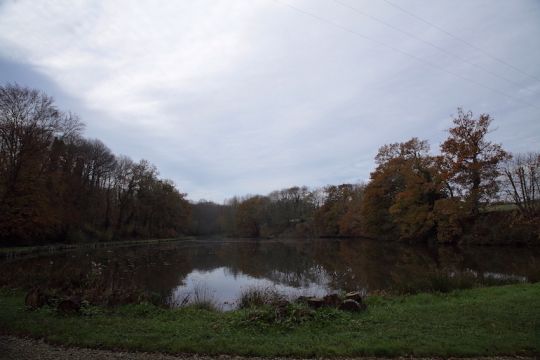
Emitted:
<point x="233" y="97"/>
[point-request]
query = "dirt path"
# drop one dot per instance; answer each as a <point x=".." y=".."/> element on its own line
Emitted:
<point x="13" y="348"/>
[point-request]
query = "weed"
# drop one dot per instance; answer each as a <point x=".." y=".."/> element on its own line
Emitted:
<point x="259" y="296"/>
<point x="203" y="299"/>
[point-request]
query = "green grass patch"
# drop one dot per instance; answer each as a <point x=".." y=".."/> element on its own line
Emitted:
<point x="500" y="207"/>
<point x="483" y="321"/>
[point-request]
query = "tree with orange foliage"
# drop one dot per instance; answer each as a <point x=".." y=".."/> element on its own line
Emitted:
<point x="56" y="186"/>
<point x="470" y="163"/>
<point x="399" y="200"/>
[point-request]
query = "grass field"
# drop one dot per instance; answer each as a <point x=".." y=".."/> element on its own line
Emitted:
<point x="483" y="321"/>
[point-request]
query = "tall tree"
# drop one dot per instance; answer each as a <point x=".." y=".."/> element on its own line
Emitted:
<point x="57" y="186"/>
<point x="399" y="199"/>
<point x="470" y="162"/>
<point x="288" y="208"/>
<point x="335" y="217"/>
<point x="251" y="216"/>
<point x="29" y="125"/>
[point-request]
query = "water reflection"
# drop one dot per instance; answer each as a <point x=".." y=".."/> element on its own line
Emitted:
<point x="224" y="287"/>
<point x="226" y="267"/>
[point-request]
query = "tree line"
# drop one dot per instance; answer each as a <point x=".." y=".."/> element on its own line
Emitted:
<point x="56" y="185"/>
<point x="472" y="191"/>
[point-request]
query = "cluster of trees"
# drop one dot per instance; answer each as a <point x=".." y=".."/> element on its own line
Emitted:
<point x="55" y="185"/>
<point x="412" y="195"/>
<point x="295" y="211"/>
<point x="415" y="195"/>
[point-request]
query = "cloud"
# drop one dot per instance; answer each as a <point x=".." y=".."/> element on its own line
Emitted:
<point x="231" y="97"/>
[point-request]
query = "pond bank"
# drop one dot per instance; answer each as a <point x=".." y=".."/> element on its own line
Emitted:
<point x="492" y="321"/>
<point x="9" y="252"/>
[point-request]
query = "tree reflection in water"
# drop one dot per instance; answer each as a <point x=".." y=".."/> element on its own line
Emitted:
<point x="295" y="267"/>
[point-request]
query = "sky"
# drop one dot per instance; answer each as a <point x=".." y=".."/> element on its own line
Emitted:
<point x="235" y="97"/>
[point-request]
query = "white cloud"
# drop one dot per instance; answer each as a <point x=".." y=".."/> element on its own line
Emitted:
<point x="230" y="97"/>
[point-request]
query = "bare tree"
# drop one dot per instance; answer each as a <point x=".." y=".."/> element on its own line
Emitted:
<point x="29" y="123"/>
<point x="522" y="175"/>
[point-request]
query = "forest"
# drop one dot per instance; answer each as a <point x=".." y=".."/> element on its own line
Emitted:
<point x="58" y="186"/>
<point x="473" y="191"/>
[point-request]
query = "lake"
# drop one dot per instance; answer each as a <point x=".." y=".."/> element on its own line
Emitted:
<point x="224" y="268"/>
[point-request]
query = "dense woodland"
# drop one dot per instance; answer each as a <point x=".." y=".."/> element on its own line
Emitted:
<point x="473" y="191"/>
<point x="57" y="186"/>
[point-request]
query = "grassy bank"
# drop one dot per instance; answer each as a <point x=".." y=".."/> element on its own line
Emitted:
<point x="41" y="249"/>
<point x="483" y="321"/>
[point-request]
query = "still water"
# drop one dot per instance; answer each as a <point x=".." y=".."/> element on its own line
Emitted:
<point x="222" y="269"/>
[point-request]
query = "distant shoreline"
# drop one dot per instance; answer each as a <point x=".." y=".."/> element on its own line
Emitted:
<point x="7" y="252"/>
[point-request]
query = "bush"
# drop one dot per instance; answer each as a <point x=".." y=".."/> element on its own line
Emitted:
<point x="288" y="315"/>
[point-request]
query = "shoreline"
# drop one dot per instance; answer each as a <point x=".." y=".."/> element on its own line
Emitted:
<point x="488" y="321"/>
<point x="15" y="251"/>
<point x="10" y="252"/>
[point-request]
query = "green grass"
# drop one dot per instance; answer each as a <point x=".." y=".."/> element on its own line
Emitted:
<point x="501" y="207"/>
<point x="483" y="321"/>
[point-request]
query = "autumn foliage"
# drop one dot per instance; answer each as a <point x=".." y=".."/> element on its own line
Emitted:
<point x="413" y="195"/>
<point x="57" y="186"/>
<point x="470" y="164"/>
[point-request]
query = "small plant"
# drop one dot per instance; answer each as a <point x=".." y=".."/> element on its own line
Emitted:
<point x="258" y="296"/>
<point x="288" y="315"/>
<point x="88" y="309"/>
<point x="202" y="298"/>
<point x="93" y="277"/>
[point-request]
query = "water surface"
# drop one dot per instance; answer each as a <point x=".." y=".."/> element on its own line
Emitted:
<point x="223" y="268"/>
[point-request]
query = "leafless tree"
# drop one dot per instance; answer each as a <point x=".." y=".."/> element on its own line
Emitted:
<point x="29" y="123"/>
<point x="522" y="175"/>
